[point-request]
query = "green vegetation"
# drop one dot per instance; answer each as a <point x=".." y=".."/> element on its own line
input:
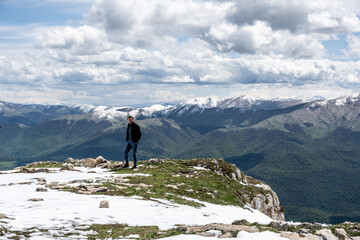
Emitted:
<point x="175" y="179"/>
<point x="112" y="231"/>
<point x="180" y="181"/>
<point x="7" y="162"/>
<point x="315" y="179"/>
<point x="352" y="229"/>
<point x="116" y="231"/>
<point x="7" y="165"/>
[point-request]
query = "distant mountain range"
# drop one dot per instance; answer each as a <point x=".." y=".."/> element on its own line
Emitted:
<point x="308" y="152"/>
<point x="34" y="113"/>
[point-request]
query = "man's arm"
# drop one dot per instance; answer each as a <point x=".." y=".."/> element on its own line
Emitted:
<point x="139" y="132"/>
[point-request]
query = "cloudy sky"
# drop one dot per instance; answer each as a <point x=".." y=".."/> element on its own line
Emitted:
<point x="121" y="52"/>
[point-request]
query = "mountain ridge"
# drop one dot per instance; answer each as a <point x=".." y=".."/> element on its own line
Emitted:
<point x="121" y="112"/>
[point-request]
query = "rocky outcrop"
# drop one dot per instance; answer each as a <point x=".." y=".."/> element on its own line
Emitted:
<point x="90" y="163"/>
<point x="266" y="200"/>
<point x="255" y="194"/>
<point x="326" y="234"/>
<point x="296" y="236"/>
<point x="230" y="230"/>
<point x="75" y="162"/>
<point x="31" y="170"/>
<point x="341" y="234"/>
<point x="268" y="204"/>
<point x="94" y="162"/>
<point x="100" y="160"/>
<point x="281" y="226"/>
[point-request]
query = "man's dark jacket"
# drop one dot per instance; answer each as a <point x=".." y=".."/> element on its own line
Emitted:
<point x="135" y="132"/>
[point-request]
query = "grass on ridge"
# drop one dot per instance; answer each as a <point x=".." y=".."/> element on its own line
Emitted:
<point x="177" y="180"/>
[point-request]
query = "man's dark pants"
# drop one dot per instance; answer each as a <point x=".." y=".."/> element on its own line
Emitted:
<point x="130" y="145"/>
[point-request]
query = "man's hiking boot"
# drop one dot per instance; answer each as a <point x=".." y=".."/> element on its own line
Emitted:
<point x="125" y="166"/>
<point x="134" y="167"/>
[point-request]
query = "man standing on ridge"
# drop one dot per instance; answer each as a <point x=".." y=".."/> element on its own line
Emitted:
<point x="133" y="135"/>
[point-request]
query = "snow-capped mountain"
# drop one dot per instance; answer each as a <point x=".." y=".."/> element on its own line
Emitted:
<point x="326" y="115"/>
<point x="243" y="102"/>
<point x="191" y="106"/>
<point x="338" y="102"/>
<point x="115" y="114"/>
<point x="34" y="113"/>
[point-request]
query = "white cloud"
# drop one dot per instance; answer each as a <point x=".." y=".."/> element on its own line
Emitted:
<point x="79" y="40"/>
<point x="159" y="50"/>
<point x="351" y="5"/>
<point x="280" y="14"/>
<point x="241" y="26"/>
<point x="334" y="21"/>
<point x="353" y="50"/>
<point x="261" y="39"/>
<point x="148" y="23"/>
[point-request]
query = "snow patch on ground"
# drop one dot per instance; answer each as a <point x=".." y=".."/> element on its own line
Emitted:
<point x="66" y="210"/>
<point x="201" y="168"/>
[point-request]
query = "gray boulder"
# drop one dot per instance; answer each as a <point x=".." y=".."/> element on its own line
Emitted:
<point x="27" y="170"/>
<point x="303" y="231"/>
<point x="100" y="160"/>
<point x="341" y="233"/>
<point x="231" y="228"/>
<point x="67" y="167"/>
<point x="326" y="234"/>
<point x="69" y="160"/>
<point x="90" y="163"/>
<point x="308" y="225"/>
<point x="35" y="199"/>
<point x="296" y="236"/>
<point x="75" y="162"/>
<point x="282" y="226"/>
<point x="155" y="160"/>
<point x="104" y="204"/>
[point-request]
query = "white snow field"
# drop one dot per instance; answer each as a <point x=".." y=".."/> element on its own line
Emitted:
<point x="65" y="212"/>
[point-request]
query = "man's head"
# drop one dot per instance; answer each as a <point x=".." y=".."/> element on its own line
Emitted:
<point x="130" y="119"/>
